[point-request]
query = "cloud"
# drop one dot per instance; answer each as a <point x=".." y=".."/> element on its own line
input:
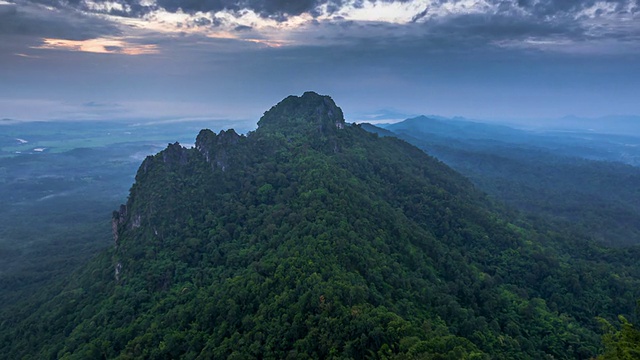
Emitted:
<point x="282" y="10"/>
<point x="100" y="46"/>
<point x="267" y="8"/>
<point x="26" y="56"/>
<point x="442" y="25"/>
<point x="35" y="20"/>
<point x="96" y="104"/>
<point x="197" y="50"/>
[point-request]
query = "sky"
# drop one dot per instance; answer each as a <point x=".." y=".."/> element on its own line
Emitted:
<point x="234" y="59"/>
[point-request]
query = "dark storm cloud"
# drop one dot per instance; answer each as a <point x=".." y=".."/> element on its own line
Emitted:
<point x="279" y="10"/>
<point x="267" y="8"/>
<point x="282" y="9"/>
<point x="202" y="22"/>
<point x="29" y="20"/>
<point x="517" y="17"/>
<point x="555" y="7"/>
<point x="481" y="29"/>
<point x="274" y="9"/>
<point x="459" y="33"/>
<point x="505" y="21"/>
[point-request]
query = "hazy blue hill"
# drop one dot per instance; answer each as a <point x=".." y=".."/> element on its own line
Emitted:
<point x="571" y="141"/>
<point x="544" y="174"/>
<point x="615" y="124"/>
<point x="381" y="131"/>
<point x="458" y="129"/>
<point x="313" y="238"/>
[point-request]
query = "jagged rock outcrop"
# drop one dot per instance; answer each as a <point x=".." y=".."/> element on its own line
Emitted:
<point x="175" y="154"/>
<point x="117" y="219"/>
<point x="214" y="147"/>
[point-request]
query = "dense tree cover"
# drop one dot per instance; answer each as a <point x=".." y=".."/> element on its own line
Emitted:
<point x="622" y="343"/>
<point x="310" y="238"/>
<point x="541" y="176"/>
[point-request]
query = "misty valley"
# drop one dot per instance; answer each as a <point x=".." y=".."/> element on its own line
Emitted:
<point x="312" y="237"/>
<point x="59" y="181"/>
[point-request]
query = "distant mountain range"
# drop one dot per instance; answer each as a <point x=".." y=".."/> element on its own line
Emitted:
<point x="588" y="144"/>
<point x="615" y="124"/>
<point x="576" y="177"/>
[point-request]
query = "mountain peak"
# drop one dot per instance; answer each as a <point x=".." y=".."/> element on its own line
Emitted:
<point x="301" y="113"/>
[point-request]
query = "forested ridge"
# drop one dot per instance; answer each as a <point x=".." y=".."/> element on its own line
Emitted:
<point x="312" y="238"/>
<point x="570" y="181"/>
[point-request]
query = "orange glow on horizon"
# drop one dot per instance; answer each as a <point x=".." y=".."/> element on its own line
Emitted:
<point x="99" y="46"/>
<point x="268" y="43"/>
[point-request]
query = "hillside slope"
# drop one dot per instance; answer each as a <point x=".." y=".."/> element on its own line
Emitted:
<point x="312" y="238"/>
<point x="550" y="175"/>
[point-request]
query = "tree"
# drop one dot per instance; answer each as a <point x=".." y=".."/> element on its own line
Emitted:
<point x="622" y="343"/>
